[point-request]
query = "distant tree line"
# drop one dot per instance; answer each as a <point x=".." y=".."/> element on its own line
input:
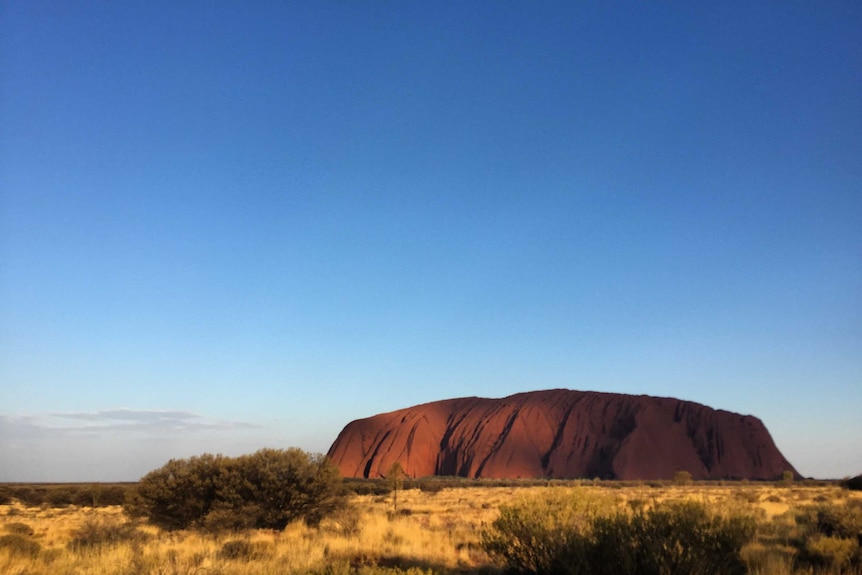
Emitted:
<point x="107" y="494"/>
<point x="65" y="494"/>
<point x="384" y="486"/>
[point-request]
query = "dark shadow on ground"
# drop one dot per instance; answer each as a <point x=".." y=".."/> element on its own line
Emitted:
<point x="405" y="562"/>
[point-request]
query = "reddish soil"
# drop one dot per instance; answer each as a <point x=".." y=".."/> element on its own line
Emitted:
<point x="561" y="434"/>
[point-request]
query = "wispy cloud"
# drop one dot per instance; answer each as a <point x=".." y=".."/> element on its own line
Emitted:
<point x="17" y="427"/>
<point x="126" y="414"/>
<point x="121" y="421"/>
<point x="115" y="444"/>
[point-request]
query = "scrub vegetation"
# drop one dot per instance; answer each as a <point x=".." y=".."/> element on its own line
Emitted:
<point x="266" y="490"/>
<point x="448" y="526"/>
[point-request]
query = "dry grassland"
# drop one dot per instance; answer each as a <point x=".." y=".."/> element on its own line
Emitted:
<point x="431" y="532"/>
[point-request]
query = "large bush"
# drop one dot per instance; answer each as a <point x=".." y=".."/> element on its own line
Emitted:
<point x="181" y="493"/>
<point x="267" y="489"/>
<point x="572" y="535"/>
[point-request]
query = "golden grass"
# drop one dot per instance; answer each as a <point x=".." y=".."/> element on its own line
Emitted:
<point x="435" y="531"/>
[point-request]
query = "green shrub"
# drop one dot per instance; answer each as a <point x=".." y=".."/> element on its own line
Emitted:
<point x="368" y="487"/>
<point x="59" y="497"/>
<point x="546" y="535"/>
<point x="267" y="489"/>
<point x="682" y="478"/>
<point x="93" y="495"/>
<point x="111" y="494"/>
<point x="572" y="535"/>
<point x="430" y="486"/>
<point x="180" y="493"/>
<point x="288" y="485"/>
<point x="19" y="545"/>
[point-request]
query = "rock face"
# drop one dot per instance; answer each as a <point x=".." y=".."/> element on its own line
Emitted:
<point x="561" y="434"/>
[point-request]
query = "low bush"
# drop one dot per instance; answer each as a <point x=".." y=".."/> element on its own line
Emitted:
<point x="346" y="522"/>
<point x="235" y="549"/>
<point x="682" y="478"/>
<point x="771" y="559"/>
<point x="546" y="535"/>
<point x="242" y="550"/>
<point x="96" y="533"/>
<point x="19" y="545"/>
<point x="682" y="538"/>
<point x="573" y="536"/>
<point x="431" y="486"/>
<point x="834" y="553"/>
<point x="367" y="487"/>
<point x="830" y="536"/>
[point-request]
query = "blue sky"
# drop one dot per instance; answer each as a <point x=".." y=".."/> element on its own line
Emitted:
<point x="231" y="225"/>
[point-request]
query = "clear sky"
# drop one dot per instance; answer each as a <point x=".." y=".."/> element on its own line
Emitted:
<point x="230" y="225"/>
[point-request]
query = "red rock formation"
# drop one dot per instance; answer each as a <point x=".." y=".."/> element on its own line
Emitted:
<point x="561" y="434"/>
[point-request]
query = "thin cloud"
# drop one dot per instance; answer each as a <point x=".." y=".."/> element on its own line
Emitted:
<point x="115" y="444"/>
<point x="115" y="421"/>
<point x="126" y="414"/>
<point x="21" y="427"/>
